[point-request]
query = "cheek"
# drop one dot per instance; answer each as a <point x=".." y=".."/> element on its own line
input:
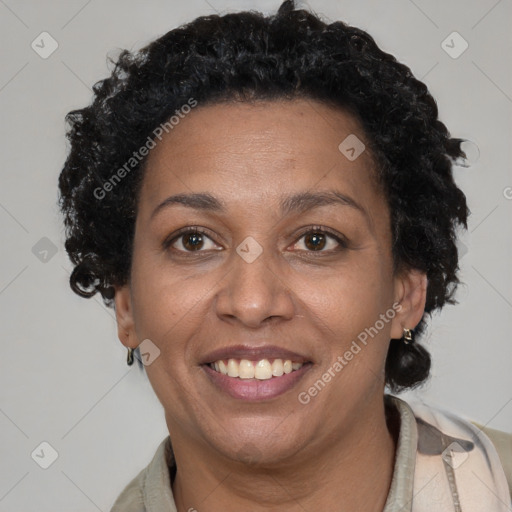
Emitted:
<point x="351" y="297"/>
<point x="166" y="307"/>
<point x="168" y="312"/>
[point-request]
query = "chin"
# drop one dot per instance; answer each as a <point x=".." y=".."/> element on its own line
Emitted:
<point x="260" y="441"/>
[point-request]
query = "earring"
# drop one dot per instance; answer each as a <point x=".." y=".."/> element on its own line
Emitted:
<point x="407" y="337"/>
<point x="130" y="356"/>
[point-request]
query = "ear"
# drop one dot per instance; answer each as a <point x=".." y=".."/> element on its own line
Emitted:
<point x="124" y="317"/>
<point x="411" y="294"/>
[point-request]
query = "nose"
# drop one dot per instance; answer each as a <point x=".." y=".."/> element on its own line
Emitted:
<point x="255" y="291"/>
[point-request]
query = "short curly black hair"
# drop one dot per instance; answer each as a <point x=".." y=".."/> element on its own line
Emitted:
<point x="247" y="56"/>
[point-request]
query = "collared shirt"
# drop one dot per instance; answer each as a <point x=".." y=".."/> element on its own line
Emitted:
<point x="442" y="463"/>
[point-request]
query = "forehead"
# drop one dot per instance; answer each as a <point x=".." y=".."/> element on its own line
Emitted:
<point x="254" y="152"/>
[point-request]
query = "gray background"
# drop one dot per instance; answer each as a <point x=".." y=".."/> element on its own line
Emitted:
<point x="63" y="374"/>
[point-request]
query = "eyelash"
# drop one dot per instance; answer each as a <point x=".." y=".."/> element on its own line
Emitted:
<point x="310" y="230"/>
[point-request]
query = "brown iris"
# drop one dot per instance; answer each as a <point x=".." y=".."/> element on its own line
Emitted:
<point x="317" y="240"/>
<point x="193" y="241"/>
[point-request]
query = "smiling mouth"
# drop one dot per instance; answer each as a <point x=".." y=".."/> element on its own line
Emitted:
<point x="263" y="369"/>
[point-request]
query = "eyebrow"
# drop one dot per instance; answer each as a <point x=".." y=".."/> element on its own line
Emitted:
<point x="297" y="203"/>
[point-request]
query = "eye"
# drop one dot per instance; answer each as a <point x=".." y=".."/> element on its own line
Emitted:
<point x="190" y="240"/>
<point x="195" y="239"/>
<point x="317" y="239"/>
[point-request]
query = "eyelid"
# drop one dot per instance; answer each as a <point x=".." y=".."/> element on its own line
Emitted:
<point x="341" y="239"/>
<point x="185" y="231"/>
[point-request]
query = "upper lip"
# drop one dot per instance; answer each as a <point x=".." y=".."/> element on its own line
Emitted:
<point x="253" y="354"/>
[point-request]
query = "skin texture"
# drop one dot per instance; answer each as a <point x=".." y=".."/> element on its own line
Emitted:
<point x="336" y="452"/>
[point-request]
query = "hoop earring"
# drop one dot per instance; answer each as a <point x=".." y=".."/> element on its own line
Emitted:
<point x="129" y="360"/>
<point x="407" y="337"/>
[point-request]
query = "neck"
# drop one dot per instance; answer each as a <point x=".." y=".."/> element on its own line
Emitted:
<point x="353" y="472"/>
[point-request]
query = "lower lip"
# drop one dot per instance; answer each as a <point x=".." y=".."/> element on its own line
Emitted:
<point x="255" y="389"/>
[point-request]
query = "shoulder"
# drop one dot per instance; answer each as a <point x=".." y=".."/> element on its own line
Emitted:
<point x="467" y="447"/>
<point x="502" y="442"/>
<point x="151" y="487"/>
<point x="131" y="498"/>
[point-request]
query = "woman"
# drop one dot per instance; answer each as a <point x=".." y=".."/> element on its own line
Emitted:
<point x="268" y="204"/>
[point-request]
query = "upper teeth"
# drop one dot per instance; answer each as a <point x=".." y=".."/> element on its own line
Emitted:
<point x="262" y="369"/>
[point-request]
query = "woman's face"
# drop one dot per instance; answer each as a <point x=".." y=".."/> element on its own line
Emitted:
<point x="261" y="282"/>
